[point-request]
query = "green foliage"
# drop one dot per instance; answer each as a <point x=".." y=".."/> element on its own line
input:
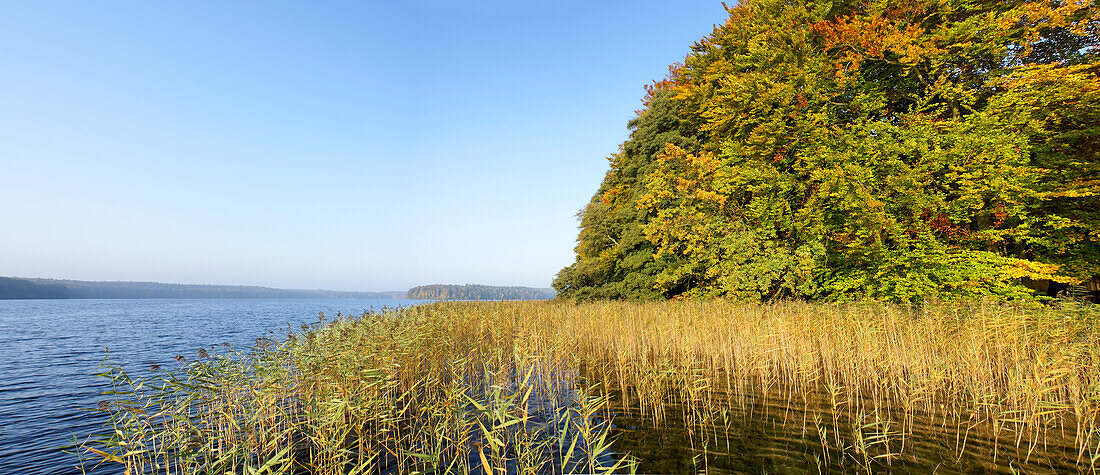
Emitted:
<point x="1057" y="110"/>
<point x="939" y="149"/>
<point x="614" y="258"/>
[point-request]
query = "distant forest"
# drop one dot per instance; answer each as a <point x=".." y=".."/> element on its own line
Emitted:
<point x="478" y="292"/>
<point x="24" y="289"/>
<point x="18" y="288"/>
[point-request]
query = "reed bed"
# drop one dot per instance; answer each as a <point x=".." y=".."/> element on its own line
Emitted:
<point x="402" y="391"/>
<point x="871" y="380"/>
<point x="537" y="387"/>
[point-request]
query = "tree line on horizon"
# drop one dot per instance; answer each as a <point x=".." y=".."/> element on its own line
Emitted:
<point x="842" y="150"/>
<point x="477" y="292"/>
<point x="37" y="288"/>
<point x="13" y="288"/>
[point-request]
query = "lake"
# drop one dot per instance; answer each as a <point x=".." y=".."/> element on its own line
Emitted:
<point x="50" y="350"/>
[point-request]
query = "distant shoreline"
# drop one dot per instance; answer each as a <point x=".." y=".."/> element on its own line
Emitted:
<point x="474" y="292"/>
<point x="209" y="298"/>
<point x="19" y="288"/>
<point x="32" y="288"/>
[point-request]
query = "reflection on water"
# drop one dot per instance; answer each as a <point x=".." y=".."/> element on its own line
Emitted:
<point x="49" y="349"/>
<point x="799" y="432"/>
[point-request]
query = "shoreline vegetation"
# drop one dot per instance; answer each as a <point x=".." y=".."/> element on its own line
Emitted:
<point x="559" y="387"/>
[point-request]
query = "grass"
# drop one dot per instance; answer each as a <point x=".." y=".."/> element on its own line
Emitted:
<point x="537" y="387"/>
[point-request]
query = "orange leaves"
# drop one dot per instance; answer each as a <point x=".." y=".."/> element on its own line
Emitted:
<point x="1036" y="16"/>
<point x="684" y="175"/>
<point x="999" y="214"/>
<point x="780" y="155"/>
<point x="855" y="39"/>
<point x="674" y="78"/>
<point x="697" y="166"/>
<point x="672" y="154"/>
<point x="943" y="225"/>
<point x="608" y="196"/>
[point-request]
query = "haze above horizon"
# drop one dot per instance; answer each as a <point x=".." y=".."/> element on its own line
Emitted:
<point x="352" y="146"/>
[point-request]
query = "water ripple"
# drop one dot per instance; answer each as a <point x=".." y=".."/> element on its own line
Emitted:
<point x="50" y="351"/>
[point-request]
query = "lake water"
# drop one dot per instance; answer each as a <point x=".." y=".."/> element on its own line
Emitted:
<point x="50" y="350"/>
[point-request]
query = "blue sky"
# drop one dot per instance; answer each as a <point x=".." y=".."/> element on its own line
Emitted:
<point x="359" y="146"/>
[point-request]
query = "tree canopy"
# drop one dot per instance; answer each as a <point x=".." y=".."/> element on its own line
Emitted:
<point x="847" y="150"/>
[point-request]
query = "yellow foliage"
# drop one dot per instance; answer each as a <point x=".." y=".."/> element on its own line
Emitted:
<point x="1019" y="268"/>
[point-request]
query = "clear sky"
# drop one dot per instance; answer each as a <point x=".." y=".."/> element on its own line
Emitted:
<point x="369" y="145"/>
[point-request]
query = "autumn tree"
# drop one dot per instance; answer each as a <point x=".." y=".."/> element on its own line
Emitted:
<point x="614" y="258"/>
<point x="844" y="150"/>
